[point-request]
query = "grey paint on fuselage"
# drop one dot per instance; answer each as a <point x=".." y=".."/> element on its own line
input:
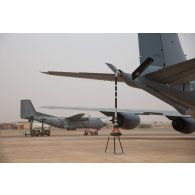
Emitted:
<point x="61" y="122"/>
<point x="74" y="122"/>
<point x="161" y="91"/>
<point x="166" y="50"/>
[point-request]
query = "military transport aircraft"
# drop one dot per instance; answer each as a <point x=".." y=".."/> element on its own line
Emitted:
<point x="164" y="72"/>
<point x="77" y="121"/>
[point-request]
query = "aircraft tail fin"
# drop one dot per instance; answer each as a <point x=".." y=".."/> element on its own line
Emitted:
<point x="27" y="109"/>
<point x="164" y="48"/>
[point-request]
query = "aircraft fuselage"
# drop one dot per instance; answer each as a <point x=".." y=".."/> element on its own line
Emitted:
<point x="60" y="122"/>
<point x="179" y="99"/>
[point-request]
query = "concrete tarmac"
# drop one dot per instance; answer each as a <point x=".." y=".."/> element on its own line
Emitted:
<point x="140" y="145"/>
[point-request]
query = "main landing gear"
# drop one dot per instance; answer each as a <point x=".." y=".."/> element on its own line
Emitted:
<point x="37" y="132"/>
<point x="91" y="133"/>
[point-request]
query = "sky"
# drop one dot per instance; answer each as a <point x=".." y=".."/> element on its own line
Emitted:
<point x="24" y="56"/>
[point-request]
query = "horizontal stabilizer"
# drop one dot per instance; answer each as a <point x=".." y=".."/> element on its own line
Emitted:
<point x="180" y="73"/>
<point x="85" y="75"/>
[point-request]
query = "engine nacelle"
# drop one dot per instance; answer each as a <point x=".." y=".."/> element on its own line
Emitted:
<point x="128" y="121"/>
<point x="184" y="125"/>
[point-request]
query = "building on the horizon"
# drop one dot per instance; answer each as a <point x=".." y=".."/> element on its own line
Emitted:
<point x="8" y="126"/>
<point x="23" y="125"/>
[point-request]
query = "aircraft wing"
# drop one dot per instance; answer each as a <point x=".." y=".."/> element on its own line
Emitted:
<point x="76" y="117"/>
<point x="110" y="111"/>
<point x="85" y="75"/>
<point x="176" y="74"/>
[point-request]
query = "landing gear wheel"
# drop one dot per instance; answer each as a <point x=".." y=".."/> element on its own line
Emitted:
<point x="48" y="133"/>
<point x="96" y="132"/>
<point x="85" y="133"/>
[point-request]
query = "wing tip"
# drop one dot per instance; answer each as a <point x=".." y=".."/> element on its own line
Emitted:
<point x="112" y="67"/>
<point x="44" y="72"/>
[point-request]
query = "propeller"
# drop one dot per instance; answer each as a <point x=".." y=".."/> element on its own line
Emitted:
<point x="119" y="120"/>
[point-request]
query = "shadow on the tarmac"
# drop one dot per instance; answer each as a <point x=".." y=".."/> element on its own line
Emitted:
<point x="158" y="138"/>
<point x="101" y="137"/>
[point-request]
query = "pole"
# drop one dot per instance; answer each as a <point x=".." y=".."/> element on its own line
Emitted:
<point x="116" y="131"/>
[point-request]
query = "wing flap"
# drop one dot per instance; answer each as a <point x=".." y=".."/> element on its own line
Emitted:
<point x="85" y="75"/>
<point x="180" y="73"/>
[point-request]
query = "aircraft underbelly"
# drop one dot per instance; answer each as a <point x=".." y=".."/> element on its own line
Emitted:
<point x="84" y="124"/>
<point x="182" y="102"/>
<point x="53" y="121"/>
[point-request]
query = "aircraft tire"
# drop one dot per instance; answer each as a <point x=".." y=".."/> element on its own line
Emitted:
<point x="48" y="133"/>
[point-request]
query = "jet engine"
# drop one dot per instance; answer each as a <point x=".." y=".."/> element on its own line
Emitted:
<point x="128" y="121"/>
<point x="184" y="125"/>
